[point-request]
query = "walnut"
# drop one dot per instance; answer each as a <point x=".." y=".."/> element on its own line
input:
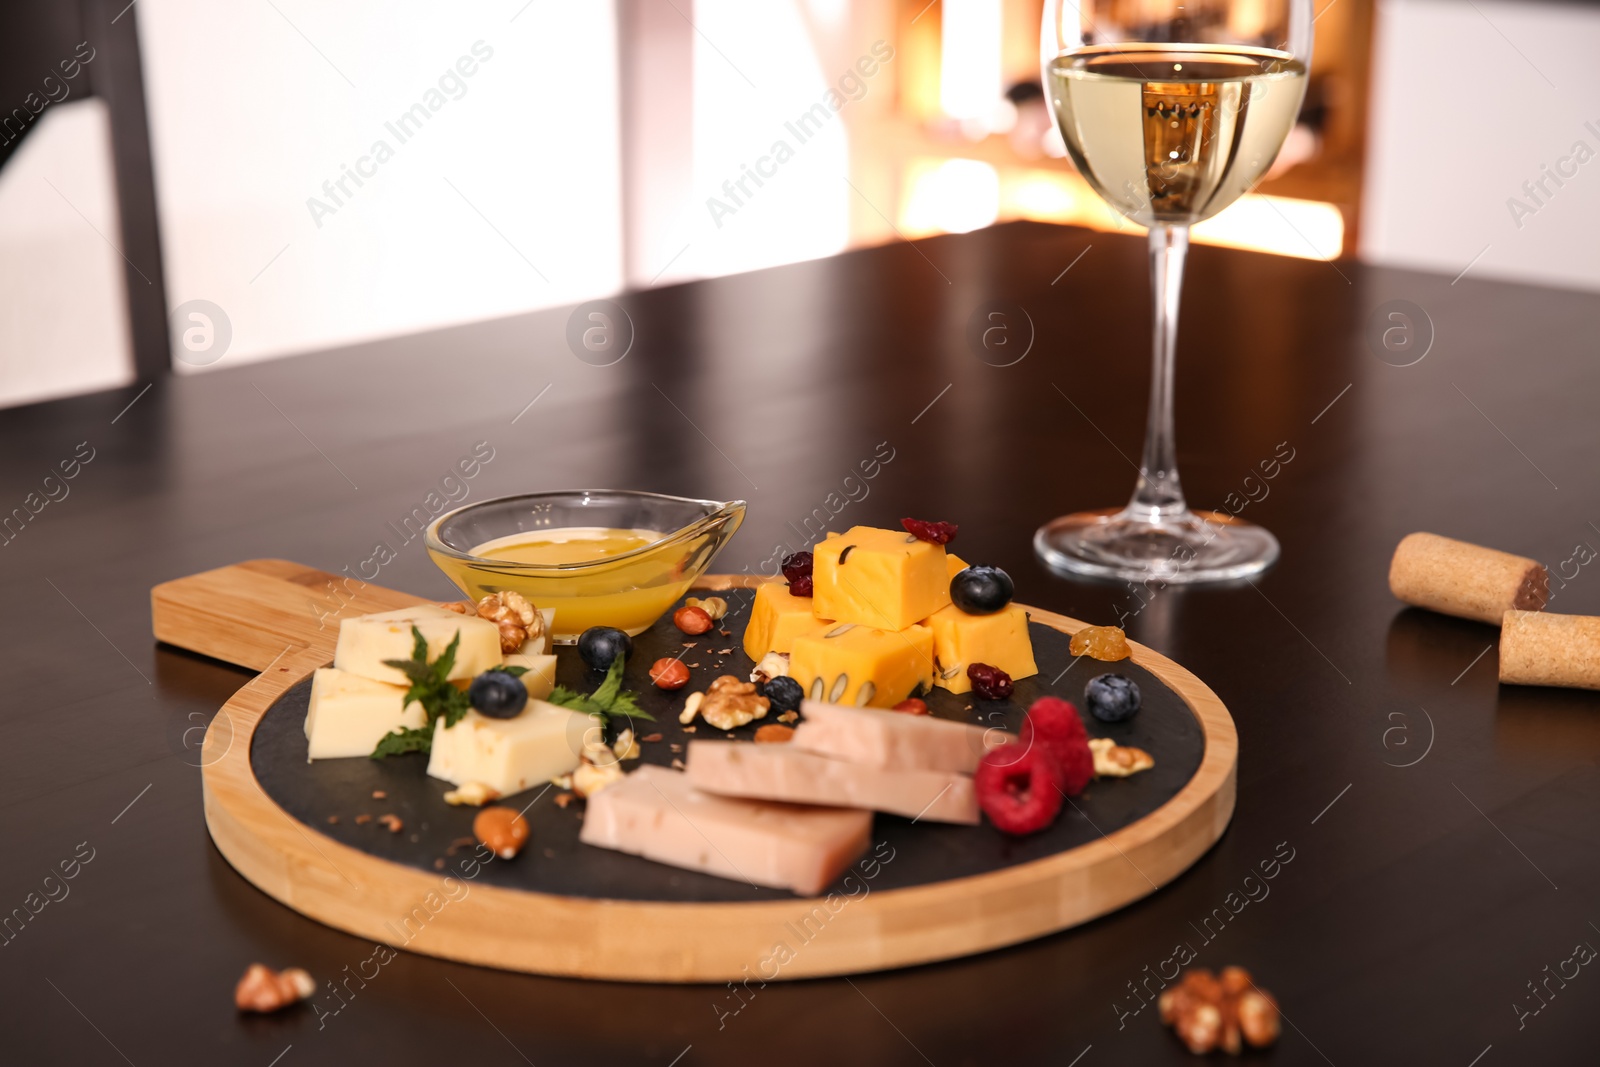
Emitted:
<point x="518" y="620"/>
<point x="264" y="989"/>
<point x="626" y="746"/>
<point x="730" y="703"/>
<point x="457" y="606"/>
<point x="598" y="768"/>
<point x="1207" y="1013"/>
<point x="1112" y="760"/>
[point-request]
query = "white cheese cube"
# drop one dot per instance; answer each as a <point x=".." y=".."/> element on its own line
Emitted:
<point x="541" y="676"/>
<point x="349" y="714"/>
<point x="365" y="642"/>
<point x="510" y="755"/>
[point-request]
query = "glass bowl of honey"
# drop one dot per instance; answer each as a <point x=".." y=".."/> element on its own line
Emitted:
<point x="598" y="557"/>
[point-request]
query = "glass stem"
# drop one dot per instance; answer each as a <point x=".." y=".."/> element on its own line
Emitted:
<point x="1159" y="495"/>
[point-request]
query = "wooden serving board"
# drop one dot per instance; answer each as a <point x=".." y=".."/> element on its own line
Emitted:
<point x="562" y="908"/>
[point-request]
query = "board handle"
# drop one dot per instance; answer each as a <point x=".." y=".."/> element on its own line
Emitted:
<point x="253" y="612"/>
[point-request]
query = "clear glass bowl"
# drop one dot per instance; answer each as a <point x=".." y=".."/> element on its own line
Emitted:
<point x="629" y="590"/>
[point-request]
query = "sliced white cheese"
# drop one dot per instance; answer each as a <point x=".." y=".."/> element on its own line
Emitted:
<point x="510" y="755"/>
<point x="365" y="642"/>
<point x="349" y="714"/>
<point x="541" y="676"/>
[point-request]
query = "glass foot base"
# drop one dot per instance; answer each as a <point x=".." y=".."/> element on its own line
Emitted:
<point x="1184" y="549"/>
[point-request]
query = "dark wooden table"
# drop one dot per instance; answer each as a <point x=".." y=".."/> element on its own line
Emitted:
<point x="1439" y="835"/>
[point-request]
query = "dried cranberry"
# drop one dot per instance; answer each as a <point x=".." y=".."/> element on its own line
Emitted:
<point x="797" y="565"/>
<point x="1018" y="789"/>
<point x="800" y="586"/>
<point x="990" y="683"/>
<point x="939" y="533"/>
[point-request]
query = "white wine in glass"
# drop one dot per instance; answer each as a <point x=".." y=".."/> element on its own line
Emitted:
<point x="1171" y="112"/>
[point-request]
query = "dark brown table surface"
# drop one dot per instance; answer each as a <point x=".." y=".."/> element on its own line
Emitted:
<point x="1420" y="901"/>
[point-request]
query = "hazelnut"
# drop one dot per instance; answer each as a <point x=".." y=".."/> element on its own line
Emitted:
<point x="691" y="620"/>
<point x="501" y="830"/>
<point x="669" y="673"/>
<point x="263" y="989"/>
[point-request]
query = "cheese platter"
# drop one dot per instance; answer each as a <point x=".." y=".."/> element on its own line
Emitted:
<point x="752" y="813"/>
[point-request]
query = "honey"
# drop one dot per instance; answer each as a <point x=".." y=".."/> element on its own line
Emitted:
<point x="567" y="569"/>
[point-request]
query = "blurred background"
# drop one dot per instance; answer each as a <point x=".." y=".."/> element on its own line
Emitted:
<point x="323" y="174"/>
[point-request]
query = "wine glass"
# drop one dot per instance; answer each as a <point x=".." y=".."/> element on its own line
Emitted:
<point x="1171" y="110"/>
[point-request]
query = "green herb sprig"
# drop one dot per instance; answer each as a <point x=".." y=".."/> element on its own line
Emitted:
<point x="605" y="703"/>
<point x="431" y="688"/>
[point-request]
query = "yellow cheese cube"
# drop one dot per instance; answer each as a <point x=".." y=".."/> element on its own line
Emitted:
<point x="960" y="640"/>
<point x="863" y="666"/>
<point x="885" y="579"/>
<point x="776" y="618"/>
<point x="954" y="564"/>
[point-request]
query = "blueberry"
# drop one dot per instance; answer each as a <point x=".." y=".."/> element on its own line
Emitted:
<point x="599" y="645"/>
<point x="498" y="695"/>
<point x="981" y="590"/>
<point x="784" y="692"/>
<point x="1111" y="697"/>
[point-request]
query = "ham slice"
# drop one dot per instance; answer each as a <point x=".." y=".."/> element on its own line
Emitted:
<point x="783" y="772"/>
<point x="655" y="813"/>
<point x="894" y="740"/>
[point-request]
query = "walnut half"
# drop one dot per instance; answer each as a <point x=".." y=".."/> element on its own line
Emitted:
<point x="518" y="620"/>
<point x="1207" y="1013"/>
<point x="1112" y="760"/>
<point x="730" y="702"/>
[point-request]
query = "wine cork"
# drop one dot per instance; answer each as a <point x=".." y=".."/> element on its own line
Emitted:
<point x="1540" y="649"/>
<point x="1470" y="581"/>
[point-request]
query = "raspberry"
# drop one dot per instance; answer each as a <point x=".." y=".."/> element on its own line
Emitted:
<point x="1054" y="728"/>
<point x="797" y="566"/>
<point x="800" y="586"/>
<point x="939" y="533"/>
<point x="1017" y="789"/>
<point x="990" y="683"/>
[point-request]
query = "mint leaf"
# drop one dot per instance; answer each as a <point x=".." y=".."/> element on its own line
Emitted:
<point x="605" y="702"/>
<point x="515" y="672"/>
<point x="431" y="688"/>
<point x="402" y="741"/>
